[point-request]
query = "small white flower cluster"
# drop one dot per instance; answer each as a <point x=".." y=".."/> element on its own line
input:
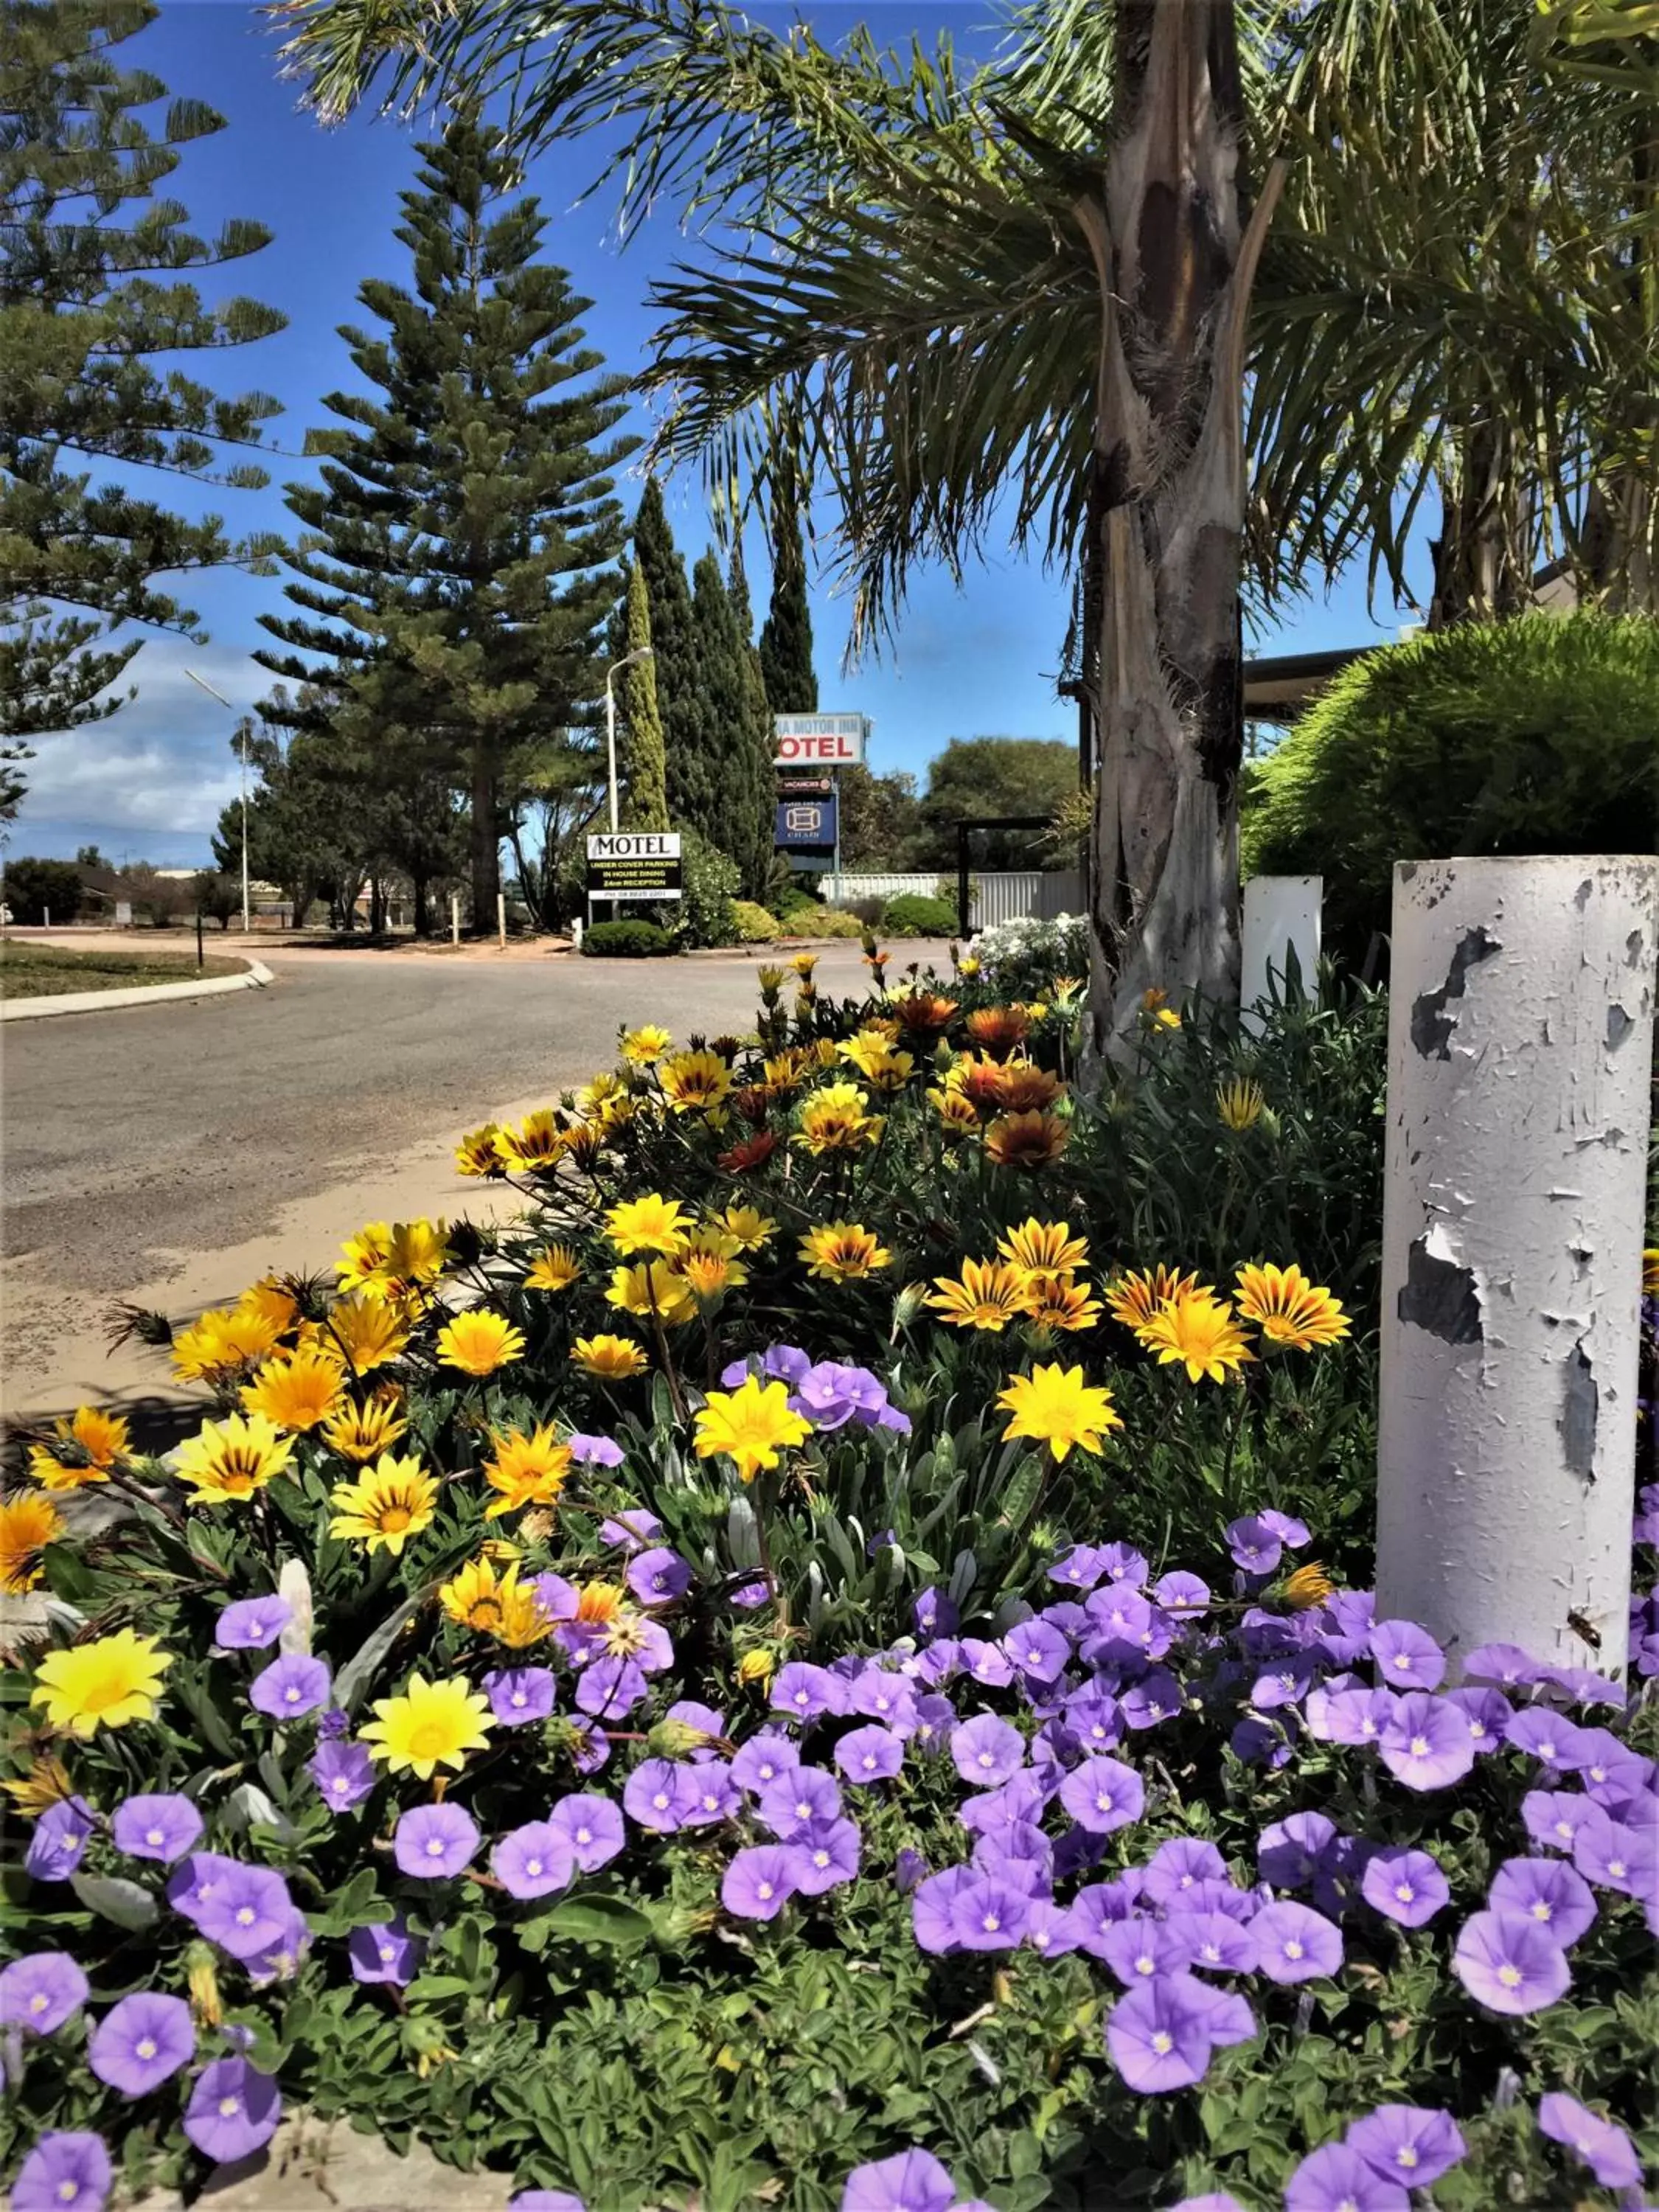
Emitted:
<point x="1023" y="957"/>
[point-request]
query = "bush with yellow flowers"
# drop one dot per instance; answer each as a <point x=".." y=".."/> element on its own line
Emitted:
<point x="798" y="1668"/>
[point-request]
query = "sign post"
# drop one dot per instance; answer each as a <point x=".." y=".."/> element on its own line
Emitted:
<point x="635" y="865"/>
<point x="824" y="744"/>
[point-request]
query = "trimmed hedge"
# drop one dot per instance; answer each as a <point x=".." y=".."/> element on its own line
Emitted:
<point x="628" y="940"/>
<point x="912" y="913"/>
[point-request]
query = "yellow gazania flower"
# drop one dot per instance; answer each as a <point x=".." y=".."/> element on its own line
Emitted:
<point x="822" y="1053"/>
<point x="365" y="1255"/>
<point x="1026" y="1141"/>
<point x="693" y="1081"/>
<point x="104" y="1684"/>
<point x="784" y="1071"/>
<point x="872" y="1052"/>
<point x="1047" y="1247"/>
<point x="709" y="1276"/>
<point x="803" y="963"/>
<point x="363" y="1432"/>
<point x="295" y="1393"/>
<point x="478" y="1342"/>
<point x="750" y="1229"/>
<point x="756" y="1667"/>
<point x="643" y="1047"/>
<point x="233" y="1459"/>
<point x="596" y="1093"/>
<point x="611" y="1358"/>
<point x="1240" y="1103"/>
<point x="532" y="1146"/>
<point x="47" y="1784"/>
<point x="649" y="1223"/>
<point x="269" y="1300"/>
<point x="1198" y="1333"/>
<point x="843" y="1252"/>
<point x="751" y="1425"/>
<point x="85" y="1449"/>
<point x="555" y="1268"/>
<point x="1288" y="1309"/>
<point x="958" y="1115"/>
<point x="498" y="1606"/>
<point x="387" y="1503"/>
<point x="990" y="1295"/>
<point x="386" y="1260"/>
<point x="1055" y="1406"/>
<point x="432" y="1725"/>
<point x="597" y="1603"/>
<point x="1135" y="1297"/>
<point x="584" y="1145"/>
<point x="833" y="1120"/>
<point x="28" y="1523"/>
<point x="1166" y="1019"/>
<point x="652" y="1287"/>
<point x="222" y="1341"/>
<point x="476" y="1153"/>
<point x="968" y="965"/>
<point x="1060" y="1302"/>
<point x="1307" y="1586"/>
<point x="369" y="1332"/>
<point x="526" y="1470"/>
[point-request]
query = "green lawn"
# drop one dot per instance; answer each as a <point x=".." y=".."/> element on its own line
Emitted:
<point x="42" y="971"/>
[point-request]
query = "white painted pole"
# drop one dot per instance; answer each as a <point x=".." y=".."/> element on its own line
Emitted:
<point x="501" y="918"/>
<point x="642" y="652"/>
<point x="454" y="917"/>
<point x="1520" y="1055"/>
<point x="1282" y="916"/>
<point x="246" y="921"/>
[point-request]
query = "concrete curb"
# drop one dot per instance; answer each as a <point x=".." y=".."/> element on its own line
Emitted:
<point x="141" y="994"/>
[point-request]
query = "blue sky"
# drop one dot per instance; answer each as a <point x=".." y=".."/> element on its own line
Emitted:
<point x="150" y="782"/>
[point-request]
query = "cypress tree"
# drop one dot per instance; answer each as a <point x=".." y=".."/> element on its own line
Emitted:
<point x="680" y="699"/>
<point x="645" y="790"/>
<point x="81" y="310"/>
<point x="751" y="778"/>
<point x="786" y="642"/>
<point x="719" y="672"/>
<point x="462" y="538"/>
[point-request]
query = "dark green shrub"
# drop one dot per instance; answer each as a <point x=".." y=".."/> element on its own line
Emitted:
<point x="628" y="940"/>
<point x="1540" y="735"/>
<point x="33" y="889"/>
<point x="824" y="922"/>
<point x="912" y="913"/>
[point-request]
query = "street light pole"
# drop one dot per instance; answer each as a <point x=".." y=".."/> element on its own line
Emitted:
<point x="248" y="927"/>
<point x="641" y="652"/>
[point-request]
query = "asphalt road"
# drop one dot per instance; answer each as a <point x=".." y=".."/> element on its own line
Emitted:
<point x="167" y="1154"/>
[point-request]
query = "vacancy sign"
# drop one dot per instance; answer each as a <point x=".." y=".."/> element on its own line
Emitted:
<point x="820" y="740"/>
<point x="642" y="865"/>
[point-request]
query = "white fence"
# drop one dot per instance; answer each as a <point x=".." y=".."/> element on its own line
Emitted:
<point x="994" y="895"/>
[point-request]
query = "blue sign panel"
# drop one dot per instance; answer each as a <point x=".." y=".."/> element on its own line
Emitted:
<point x="805" y="824"/>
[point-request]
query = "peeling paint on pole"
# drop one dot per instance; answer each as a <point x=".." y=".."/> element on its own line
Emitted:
<point x="1520" y="1044"/>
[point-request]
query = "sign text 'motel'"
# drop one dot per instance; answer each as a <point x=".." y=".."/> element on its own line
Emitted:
<point x="642" y="863"/>
<point x="820" y="740"/>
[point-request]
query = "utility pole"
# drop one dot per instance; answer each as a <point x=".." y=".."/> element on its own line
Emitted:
<point x="641" y="652"/>
<point x="203" y="682"/>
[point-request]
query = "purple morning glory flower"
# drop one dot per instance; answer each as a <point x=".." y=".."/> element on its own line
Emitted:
<point x="914" y="2181"/>
<point x="344" y="1774"/>
<point x="826" y="1852"/>
<point x="1156" y="2034"/>
<point x="1093" y="1718"/>
<point x="931" y="1903"/>
<point x="763" y="1759"/>
<point x="799" y="1796"/>
<point x="933" y="1614"/>
<point x="1547" y="1734"/>
<point x="1505" y="1665"/>
<point x="41" y="1992"/>
<point x="589" y="1746"/>
<point x="988" y="1915"/>
<point x="1290" y="1531"/>
<point x="251" y="1623"/>
<point x="233" y="2109"/>
<point x="652" y="1795"/>
<point x="1618" y="1854"/>
<point x="986" y="1750"/>
<point x="884" y="1696"/>
<point x="1602" y="2145"/>
<point x="519" y="1695"/>
<point x="988" y="1663"/>
<point x="435" y="1843"/>
<point x="243" y="1909"/>
<point x="1103" y="1794"/>
<point x="1181" y="1594"/>
<point x="1038" y="1651"/>
<point x="384" y="1952"/>
<point x="1552" y="1818"/>
<point x="1509" y="1964"/>
<point x="630" y="1527"/>
<point x="760" y="1881"/>
<point x="695" y="1715"/>
<point x="596" y="1451"/>
<point x="1407" y="1887"/>
<point x="1407" y="2143"/>
<point x="1488" y="1713"/>
<point x="533" y="1861"/>
<point x="1098" y="1908"/>
<point x="1291" y="1851"/>
<point x="908" y="1869"/>
<point x="1154" y="1699"/>
<point x="1216" y="1942"/>
<point x="610" y="1688"/>
<point x="1548" y="1891"/>
<point x="659" y="1576"/>
<point x="593" y="1828"/>
<point x="708" y="1793"/>
<point x="1350" y="1715"/>
<point x="162" y="1827"/>
<point x="1254" y="1545"/>
<point x="749" y="1594"/>
<point x="1138" y="1948"/>
<point x="1613" y="1774"/>
<point x="141" y="2042"/>
<point x="545" y="2200"/>
<point x="1425" y="1742"/>
<point x="1080" y="1568"/>
<point x="1294" y="1943"/>
<point x="58" y="1840"/>
<point x="1336" y="2179"/>
<point x="68" y="2171"/>
<point x="870" y="1754"/>
<point x="1217" y="2200"/>
<point x="290" y="1687"/>
<point x="1050" y="1930"/>
<point x="806" y="1692"/>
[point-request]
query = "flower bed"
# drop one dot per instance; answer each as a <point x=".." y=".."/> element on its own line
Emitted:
<point x="785" y="1679"/>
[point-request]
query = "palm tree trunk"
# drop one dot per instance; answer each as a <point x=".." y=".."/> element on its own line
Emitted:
<point x="1175" y="267"/>
<point x="1481" y="571"/>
